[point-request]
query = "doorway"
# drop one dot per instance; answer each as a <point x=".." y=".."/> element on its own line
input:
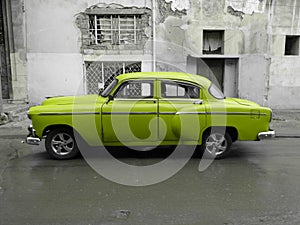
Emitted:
<point x="222" y="71"/>
<point x="4" y="54"/>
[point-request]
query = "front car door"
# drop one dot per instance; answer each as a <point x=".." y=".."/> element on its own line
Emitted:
<point x="131" y="116"/>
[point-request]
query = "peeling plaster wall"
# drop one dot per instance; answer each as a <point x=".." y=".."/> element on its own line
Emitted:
<point x="284" y="83"/>
<point x="252" y="78"/>
<point x="179" y="4"/>
<point x="284" y="79"/>
<point x="55" y="61"/>
<point x="246" y="6"/>
<point x="243" y="37"/>
<point x="18" y="59"/>
<point x="254" y="32"/>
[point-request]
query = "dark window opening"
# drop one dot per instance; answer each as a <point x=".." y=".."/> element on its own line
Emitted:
<point x="292" y="45"/>
<point x="213" y="42"/>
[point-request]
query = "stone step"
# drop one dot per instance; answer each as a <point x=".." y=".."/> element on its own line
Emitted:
<point x="19" y="116"/>
<point x="14" y="112"/>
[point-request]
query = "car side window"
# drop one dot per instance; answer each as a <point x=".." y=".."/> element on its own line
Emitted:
<point x="174" y="89"/>
<point x="135" y="89"/>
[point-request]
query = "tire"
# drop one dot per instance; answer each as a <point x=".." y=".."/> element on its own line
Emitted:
<point x="61" y="144"/>
<point x="216" y="144"/>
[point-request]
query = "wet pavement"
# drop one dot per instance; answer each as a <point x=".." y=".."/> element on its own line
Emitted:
<point x="257" y="184"/>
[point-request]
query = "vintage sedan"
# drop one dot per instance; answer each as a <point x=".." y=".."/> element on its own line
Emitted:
<point x="149" y="109"/>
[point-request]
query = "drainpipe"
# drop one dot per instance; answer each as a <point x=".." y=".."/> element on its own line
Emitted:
<point x="1" y="101"/>
<point x="3" y="117"/>
<point x="9" y="42"/>
<point x="153" y="36"/>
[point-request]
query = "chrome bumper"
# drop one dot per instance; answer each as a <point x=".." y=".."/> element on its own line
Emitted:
<point x="266" y="135"/>
<point x="32" y="139"/>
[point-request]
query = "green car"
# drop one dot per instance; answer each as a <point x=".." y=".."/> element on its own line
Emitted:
<point x="149" y="109"/>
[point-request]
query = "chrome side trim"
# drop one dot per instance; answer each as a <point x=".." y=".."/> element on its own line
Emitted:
<point x="129" y="113"/>
<point x="152" y="113"/>
<point x="192" y="113"/>
<point x="68" y="113"/>
<point x="224" y="113"/>
<point x="167" y="113"/>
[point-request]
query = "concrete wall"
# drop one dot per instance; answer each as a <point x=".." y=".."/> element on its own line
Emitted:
<point x="254" y="32"/>
<point x="284" y="71"/>
<point x="18" y="50"/>
<point x="55" y="62"/>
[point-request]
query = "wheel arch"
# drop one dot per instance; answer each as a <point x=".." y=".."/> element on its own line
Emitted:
<point x="49" y="128"/>
<point x="232" y="131"/>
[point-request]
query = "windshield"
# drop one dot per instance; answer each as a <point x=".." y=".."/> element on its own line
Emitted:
<point x="216" y="92"/>
<point x="109" y="88"/>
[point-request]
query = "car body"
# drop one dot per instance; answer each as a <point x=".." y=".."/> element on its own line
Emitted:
<point x="149" y="109"/>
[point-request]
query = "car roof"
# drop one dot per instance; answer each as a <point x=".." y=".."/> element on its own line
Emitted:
<point x="167" y="75"/>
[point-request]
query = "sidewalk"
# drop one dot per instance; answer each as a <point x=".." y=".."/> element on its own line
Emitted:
<point x="286" y="123"/>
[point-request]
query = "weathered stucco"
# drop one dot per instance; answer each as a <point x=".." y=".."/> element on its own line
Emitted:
<point x="18" y="60"/>
<point x="82" y="22"/>
<point x="55" y="62"/>
<point x="244" y="7"/>
<point x="254" y="40"/>
<point x="179" y="4"/>
<point x="255" y="31"/>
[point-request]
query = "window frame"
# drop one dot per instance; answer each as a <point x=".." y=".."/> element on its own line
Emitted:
<point x="116" y="30"/>
<point x="213" y="52"/>
<point x="179" y="97"/>
<point x="152" y="91"/>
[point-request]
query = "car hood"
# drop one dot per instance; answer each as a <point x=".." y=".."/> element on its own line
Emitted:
<point x="68" y="100"/>
<point x="242" y="102"/>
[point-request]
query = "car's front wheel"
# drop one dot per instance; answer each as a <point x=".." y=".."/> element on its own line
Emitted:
<point x="60" y="144"/>
<point x="216" y="144"/>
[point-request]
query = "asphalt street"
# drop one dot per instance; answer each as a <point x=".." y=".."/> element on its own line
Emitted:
<point x="257" y="184"/>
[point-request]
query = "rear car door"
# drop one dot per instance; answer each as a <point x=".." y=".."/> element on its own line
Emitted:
<point x="181" y="109"/>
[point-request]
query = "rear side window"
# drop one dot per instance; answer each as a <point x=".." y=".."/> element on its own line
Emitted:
<point x="174" y="89"/>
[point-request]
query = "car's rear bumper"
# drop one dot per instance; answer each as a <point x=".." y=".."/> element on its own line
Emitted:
<point x="266" y="135"/>
<point x="32" y="139"/>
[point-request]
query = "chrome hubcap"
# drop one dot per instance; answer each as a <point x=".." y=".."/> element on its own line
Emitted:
<point x="62" y="144"/>
<point x="216" y="144"/>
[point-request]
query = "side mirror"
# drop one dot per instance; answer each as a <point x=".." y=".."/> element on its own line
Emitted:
<point x="109" y="98"/>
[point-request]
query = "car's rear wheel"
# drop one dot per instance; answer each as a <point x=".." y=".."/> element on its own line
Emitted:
<point x="61" y="144"/>
<point x="216" y="144"/>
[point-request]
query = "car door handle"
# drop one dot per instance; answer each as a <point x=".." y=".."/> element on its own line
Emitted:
<point x="152" y="101"/>
<point x="199" y="102"/>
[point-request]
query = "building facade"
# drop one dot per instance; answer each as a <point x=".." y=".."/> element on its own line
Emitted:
<point x="249" y="47"/>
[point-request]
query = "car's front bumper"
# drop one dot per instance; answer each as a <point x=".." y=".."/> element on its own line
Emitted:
<point x="32" y="139"/>
<point x="266" y="135"/>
